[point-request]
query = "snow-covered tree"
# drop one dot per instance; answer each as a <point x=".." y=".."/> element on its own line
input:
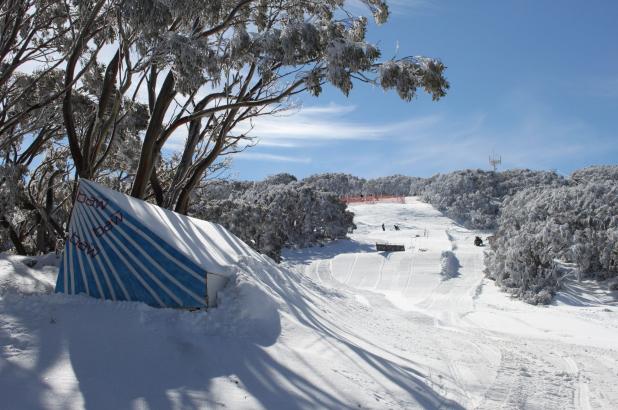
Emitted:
<point x="98" y="88"/>
<point x="11" y="215"/>
<point x="543" y="226"/>
<point x="210" y="68"/>
<point x="274" y="213"/>
<point x="35" y="204"/>
<point x="474" y="197"/>
<point x="278" y="179"/>
<point x="394" y="185"/>
<point x="349" y="185"/>
<point x="595" y="174"/>
<point x="338" y="183"/>
<point x="30" y="33"/>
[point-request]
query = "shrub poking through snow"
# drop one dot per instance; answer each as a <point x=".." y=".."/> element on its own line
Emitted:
<point x="450" y="264"/>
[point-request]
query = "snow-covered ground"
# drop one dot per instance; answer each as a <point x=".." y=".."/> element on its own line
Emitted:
<point x="339" y="326"/>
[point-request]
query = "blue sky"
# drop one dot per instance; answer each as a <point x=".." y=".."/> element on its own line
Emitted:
<point x="535" y="81"/>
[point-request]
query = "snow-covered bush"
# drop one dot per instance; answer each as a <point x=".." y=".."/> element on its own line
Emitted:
<point x="595" y="173"/>
<point x="473" y="197"/>
<point x="33" y="208"/>
<point x="449" y="264"/>
<point x="11" y="186"/>
<point x="222" y="189"/>
<point x="398" y="185"/>
<point x="275" y="212"/>
<point x="540" y="226"/>
<point x="340" y="184"/>
<point x="249" y="221"/>
<point x="305" y="214"/>
<point x="280" y="179"/>
<point x="349" y="185"/>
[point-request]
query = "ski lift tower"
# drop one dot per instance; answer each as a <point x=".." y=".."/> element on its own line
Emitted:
<point x="495" y="161"/>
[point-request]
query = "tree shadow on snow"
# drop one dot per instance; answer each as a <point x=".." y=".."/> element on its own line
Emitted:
<point x="587" y="293"/>
<point x="306" y="255"/>
<point x="127" y="354"/>
<point x="404" y="376"/>
<point x="123" y="355"/>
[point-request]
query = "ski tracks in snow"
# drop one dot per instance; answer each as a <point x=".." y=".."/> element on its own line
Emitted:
<point x="426" y="321"/>
<point x="527" y="380"/>
<point x="582" y="394"/>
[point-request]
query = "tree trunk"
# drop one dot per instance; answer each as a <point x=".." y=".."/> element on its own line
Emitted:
<point x="19" y="246"/>
<point x="149" y="147"/>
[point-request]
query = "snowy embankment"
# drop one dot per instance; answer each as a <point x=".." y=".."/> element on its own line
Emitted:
<point x="339" y="326"/>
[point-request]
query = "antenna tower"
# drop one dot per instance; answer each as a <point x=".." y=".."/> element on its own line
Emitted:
<point x="495" y="161"/>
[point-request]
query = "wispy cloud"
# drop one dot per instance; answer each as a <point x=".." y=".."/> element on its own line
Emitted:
<point x="535" y="140"/>
<point x="317" y="125"/>
<point x="329" y="138"/>
<point x="321" y="124"/>
<point x="261" y="156"/>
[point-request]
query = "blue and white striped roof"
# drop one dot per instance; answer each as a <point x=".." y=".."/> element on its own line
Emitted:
<point x="122" y="248"/>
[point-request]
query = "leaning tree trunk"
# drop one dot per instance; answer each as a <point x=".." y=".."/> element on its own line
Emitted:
<point x="149" y="152"/>
<point x="17" y="243"/>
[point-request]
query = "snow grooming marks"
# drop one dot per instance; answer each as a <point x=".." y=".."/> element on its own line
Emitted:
<point x="347" y="280"/>
<point x="410" y="274"/>
<point x="144" y="266"/>
<point x="513" y="387"/>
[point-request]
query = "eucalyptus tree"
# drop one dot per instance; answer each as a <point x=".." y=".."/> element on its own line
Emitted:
<point x="276" y="212"/>
<point x="36" y="37"/>
<point x="475" y="197"/>
<point x="31" y="33"/>
<point x="540" y="228"/>
<point x="206" y="70"/>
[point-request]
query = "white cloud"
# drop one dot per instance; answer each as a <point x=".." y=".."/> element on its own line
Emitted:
<point x="534" y="137"/>
<point x="537" y="140"/>
<point x="320" y="124"/>
<point x="282" y="144"/>
<point x="330" y="109"/>
<point x="314" y="126"/>
<point x="261" y="156"/>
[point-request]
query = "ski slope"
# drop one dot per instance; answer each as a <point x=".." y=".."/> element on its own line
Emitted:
<point x="497" y="352"/>
<point x="334" y="327"/>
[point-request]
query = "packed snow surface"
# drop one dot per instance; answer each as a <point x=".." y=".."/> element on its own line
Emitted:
<point x="339" y="326"/>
